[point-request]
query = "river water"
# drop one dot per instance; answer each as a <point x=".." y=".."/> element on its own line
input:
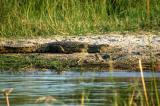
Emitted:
<point x="70" y="88"/>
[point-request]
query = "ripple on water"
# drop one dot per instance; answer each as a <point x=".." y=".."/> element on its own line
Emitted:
<point x="68" y="87"/>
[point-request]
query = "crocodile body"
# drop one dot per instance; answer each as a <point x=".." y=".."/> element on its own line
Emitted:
<point x="55" y="47"/>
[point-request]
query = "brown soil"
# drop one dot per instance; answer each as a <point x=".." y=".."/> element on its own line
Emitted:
<point x="111" y="52"/>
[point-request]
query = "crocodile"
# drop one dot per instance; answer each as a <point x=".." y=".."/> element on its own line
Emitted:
<point x="63" y="47"/>
<point x="55" y="47"/>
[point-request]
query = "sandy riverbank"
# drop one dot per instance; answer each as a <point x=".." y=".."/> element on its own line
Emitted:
<point x="122" y="51"/>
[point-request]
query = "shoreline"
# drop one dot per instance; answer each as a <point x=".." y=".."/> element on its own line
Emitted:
<point x="121" y="53"/>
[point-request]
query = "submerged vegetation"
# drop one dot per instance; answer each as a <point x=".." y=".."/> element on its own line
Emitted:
<point x="50" y="17"/>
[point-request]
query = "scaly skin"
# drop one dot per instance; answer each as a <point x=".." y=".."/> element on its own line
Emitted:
<point x="55" y="47"/>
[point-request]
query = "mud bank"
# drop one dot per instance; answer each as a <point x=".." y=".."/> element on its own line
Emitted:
<point x="115" y="52"/>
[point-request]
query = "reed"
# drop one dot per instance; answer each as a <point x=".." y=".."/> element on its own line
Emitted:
<point x="131" y="98"/>
<point x="156" y="91"/>
<point x="143" y="82"/>
<point x="148" y="7"/>
<point x="82" y="98"/>
<point x="110" y="63"/>
<point x="6" y="94"/>
<point x="30" y="18"/>
<point x="136" y="97"/>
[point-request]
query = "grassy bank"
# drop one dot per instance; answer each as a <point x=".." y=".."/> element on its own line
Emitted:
<point x="19" y="18"/>
<point x="58" y="62"/>
<point x="30" y="62"/>
<point x="77" y="61"/>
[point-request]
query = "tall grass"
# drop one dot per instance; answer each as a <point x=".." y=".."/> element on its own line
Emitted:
<point x="143" y="82"/>
<point x="148" y="7"/>
<point x="140" y="93"/>
<point x="51" y="17"/>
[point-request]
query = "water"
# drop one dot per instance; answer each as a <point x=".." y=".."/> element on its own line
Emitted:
<point x="69" y="88"/>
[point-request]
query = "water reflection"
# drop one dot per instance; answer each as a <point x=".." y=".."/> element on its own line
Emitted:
<point x="69" y="88"/>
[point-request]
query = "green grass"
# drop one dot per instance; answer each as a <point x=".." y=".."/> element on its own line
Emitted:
<point x="24" y="62"/>
<point x="20" y="18"/>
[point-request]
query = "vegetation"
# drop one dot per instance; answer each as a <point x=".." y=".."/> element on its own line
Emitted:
<point x="138" y="92"/>
<point x="29" y="18"/>
<point x="20" y="18"/>
<point x="26" y="62"/>
<point x="136" y="95"/>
